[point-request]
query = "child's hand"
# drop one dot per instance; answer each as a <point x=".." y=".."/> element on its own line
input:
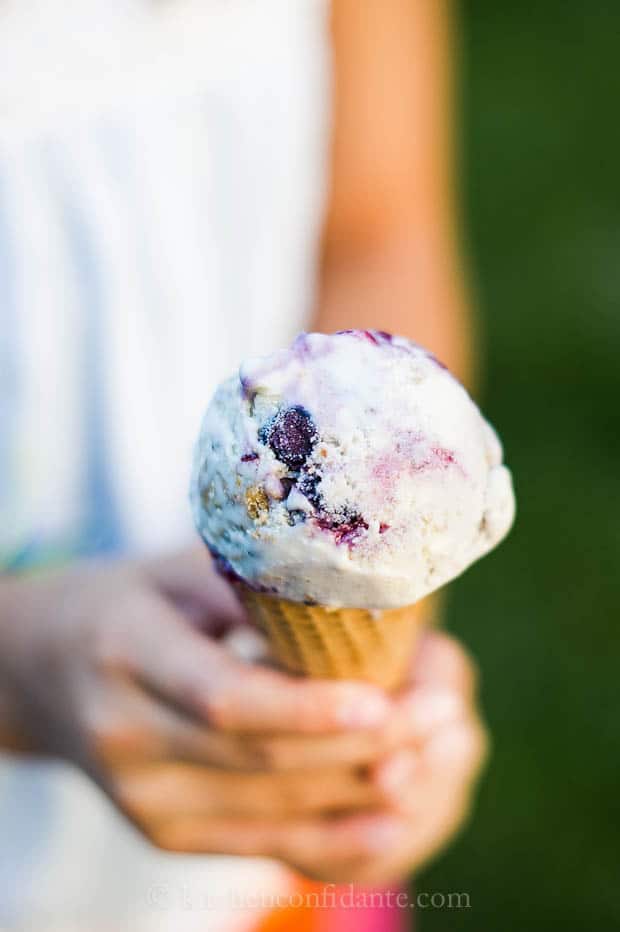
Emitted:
<point x="118" y="669"/>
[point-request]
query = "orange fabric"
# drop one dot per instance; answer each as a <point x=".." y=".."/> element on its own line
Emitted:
<point x="293" y="918"/>
<point x="328" y="908"/>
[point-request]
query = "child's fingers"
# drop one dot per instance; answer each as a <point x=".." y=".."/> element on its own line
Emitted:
<point x="201" y="677"/>
<point x="175" y="791"/>
<point x="310" y="844"/>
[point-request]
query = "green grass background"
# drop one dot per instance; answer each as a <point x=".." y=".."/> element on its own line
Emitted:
<point x="540" y="84"/>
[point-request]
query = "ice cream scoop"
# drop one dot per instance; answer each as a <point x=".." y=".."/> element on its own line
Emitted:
<point x="350" y="470"/>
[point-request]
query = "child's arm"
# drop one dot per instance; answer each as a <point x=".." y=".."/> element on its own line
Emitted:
<point x="390" y="255"/>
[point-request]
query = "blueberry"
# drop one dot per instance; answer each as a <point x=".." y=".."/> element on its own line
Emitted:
<point x="308" y="485"/>
<point x="291" y="434"/>
<point x="346" y="525"/>
<point x="371" y="336"/>
<point x="287" y="484"/>
<point x="348" y="533"/>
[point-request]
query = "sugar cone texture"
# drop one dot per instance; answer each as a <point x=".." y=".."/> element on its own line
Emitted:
<point x="338" y="643"/>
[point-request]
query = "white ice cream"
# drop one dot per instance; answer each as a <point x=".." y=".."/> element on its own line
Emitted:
<point x="349" y="470"/>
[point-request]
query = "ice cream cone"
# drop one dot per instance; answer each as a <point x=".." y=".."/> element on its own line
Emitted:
<point x="338" y="643"/>
<point x="351" y="469"/>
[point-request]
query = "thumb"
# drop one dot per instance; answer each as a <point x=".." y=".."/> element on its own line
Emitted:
<point x="442" y="663"/>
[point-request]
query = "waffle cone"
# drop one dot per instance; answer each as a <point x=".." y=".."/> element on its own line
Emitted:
<point x="338" y="643"/>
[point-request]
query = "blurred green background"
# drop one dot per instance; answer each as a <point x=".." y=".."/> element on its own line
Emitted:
<point x="539" y="88"/>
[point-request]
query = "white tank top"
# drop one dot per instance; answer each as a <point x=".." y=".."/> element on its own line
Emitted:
<point x="161" y="186"/>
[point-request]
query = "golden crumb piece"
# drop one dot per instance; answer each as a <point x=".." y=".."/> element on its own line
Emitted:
<point x="257" y="502"/>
